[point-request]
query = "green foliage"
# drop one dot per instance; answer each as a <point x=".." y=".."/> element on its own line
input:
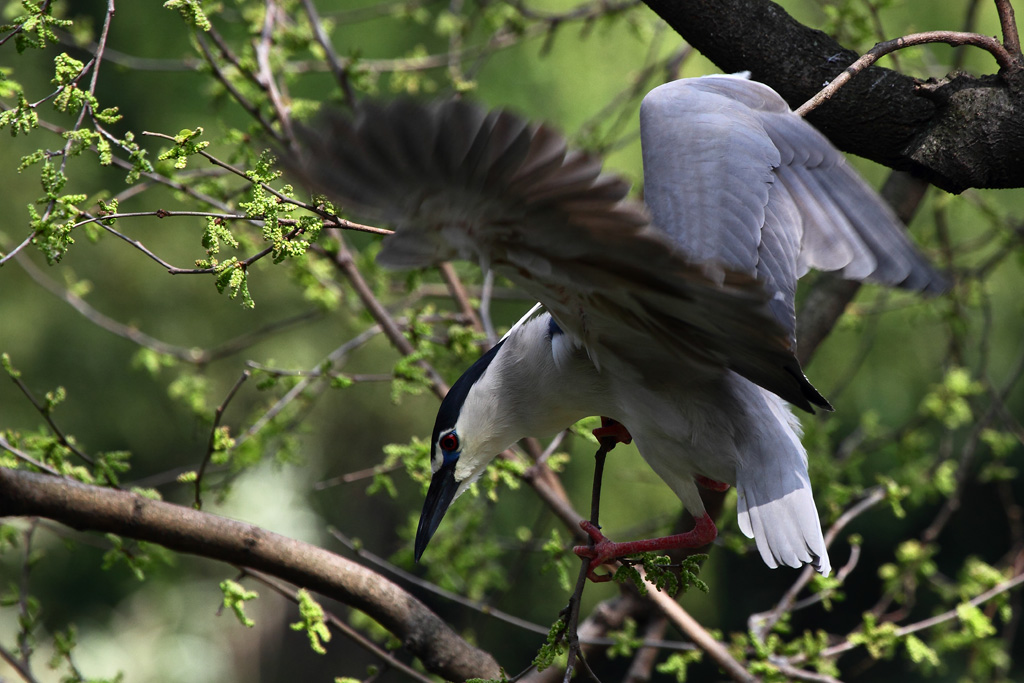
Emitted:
<point x="108" y="467"/>
<point x="217" y="231"/>
<point x="191" y="391"/>
<point x="553" y="647"/>
<point x="678" y="662"/>
<point x="662" y="574"/>
<point x="913" y="564"/>
<point x="413" y="456"/>
<point x="138" y="556"/>
<point x="556" y="559"/>
<point x="35" y="27"/>
<point x="852" y="22"/>
<point x="233" y="277"/>
<point x="235" y="597"/>
<point x="312" y="622"/>
<point x="22" y="118"/>
<point x="186" y="144"/>
<point x="192" y="12"/>
<point x="625" y="640"/>
<point x="948" y="402"/>
<point x="879" y="640"/>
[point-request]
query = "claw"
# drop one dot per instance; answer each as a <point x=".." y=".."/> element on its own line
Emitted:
<point x="602" y="550"/>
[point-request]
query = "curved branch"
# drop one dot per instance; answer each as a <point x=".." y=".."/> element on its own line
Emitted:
<point x="182" y="529"/>
<point x="954" y="38"/>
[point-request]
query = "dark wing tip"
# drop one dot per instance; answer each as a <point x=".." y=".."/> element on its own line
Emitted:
<point x="810" y="396"/>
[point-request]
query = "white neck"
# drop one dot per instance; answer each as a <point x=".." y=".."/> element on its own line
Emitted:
<point x="525" y="393"/>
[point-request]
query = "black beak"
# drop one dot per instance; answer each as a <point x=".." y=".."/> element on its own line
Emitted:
<point x="439" y="496"/>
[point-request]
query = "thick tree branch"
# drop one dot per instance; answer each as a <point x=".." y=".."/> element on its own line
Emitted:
<point x="962" y="132"/>
<point x="182" y="529"/>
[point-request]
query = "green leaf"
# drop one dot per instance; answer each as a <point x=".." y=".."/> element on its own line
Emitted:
<point x="235" y="597"/>
<point x="677" y="663"/>
<point x="192" y="12"/>
<point x="553" y="647"/>
<point x="312" y="622"/>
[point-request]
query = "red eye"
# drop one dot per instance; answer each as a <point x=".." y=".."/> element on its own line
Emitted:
<point x="450" y="442"/>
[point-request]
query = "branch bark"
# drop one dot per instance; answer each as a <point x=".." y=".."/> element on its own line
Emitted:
<point x="959" y="133"/>
<point x="182" y="529"/>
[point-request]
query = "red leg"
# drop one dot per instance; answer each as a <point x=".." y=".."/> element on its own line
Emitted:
<point x="602" y="550"/>
<point x="711" y="484"/>
<point x="610" y="429"/>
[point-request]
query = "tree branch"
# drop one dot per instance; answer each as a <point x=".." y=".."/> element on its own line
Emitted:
<point x="954" y="38"/>
<point x="959" y="133"/>
<point x="178" y="528"/>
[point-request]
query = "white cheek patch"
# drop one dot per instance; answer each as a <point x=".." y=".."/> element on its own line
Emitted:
<point x="464" y="471"/>
<point x="466" y="483"/>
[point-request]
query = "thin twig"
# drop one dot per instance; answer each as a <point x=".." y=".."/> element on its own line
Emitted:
<point x="458" y="292"/>
<point x="23" y="672"/>
<point x="352" y="634"/>
<point x="346" y="264"/>
<point x="24" y="609"/>
<point x="25" y="457"/>
<point x="481" y="607"/>
<point x="212" y="441"/>
<point x="332" y="359"/>
<point x="242" y="100"/>
<point x="700" y="635"/>
<point x="761" y="624"/>
<point x="954" y="38"/>
<point x="1008" y="24"/>
<point x="184" y="530"/>
<point x="572" y="611"/>
<point x="265" y="76"/>
<point x="339" y="70"/>
<point x="61" y="438"/>
<point x="949" y="615"/>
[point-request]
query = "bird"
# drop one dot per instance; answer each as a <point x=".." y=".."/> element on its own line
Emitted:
<point x="674" y="316"/>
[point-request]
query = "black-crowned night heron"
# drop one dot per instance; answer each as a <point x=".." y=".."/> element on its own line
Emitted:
<point x="676" y="320"/>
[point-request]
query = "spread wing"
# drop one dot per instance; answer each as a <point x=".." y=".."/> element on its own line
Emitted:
<point x="457" y="181"/>
<point x="734" y="177"/>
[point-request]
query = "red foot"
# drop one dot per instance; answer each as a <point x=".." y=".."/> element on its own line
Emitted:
<point x="711" y="484"/>
<point x="610" y="429"/>
<point x="602" y="550"/>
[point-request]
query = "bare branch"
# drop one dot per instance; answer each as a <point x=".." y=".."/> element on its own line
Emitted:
<point x="212" y="441"/>
<point x="1011" y="38"/>
<point x="194" y="532"/>
<point x="954" y="38"/>
<point x="352" y="634"/>
<point x="704" y="640"/>
<point x="949" y="615"/>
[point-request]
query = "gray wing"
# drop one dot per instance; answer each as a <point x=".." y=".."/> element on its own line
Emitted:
<point x="456" y="181"/>
<point x="733" y="177"/>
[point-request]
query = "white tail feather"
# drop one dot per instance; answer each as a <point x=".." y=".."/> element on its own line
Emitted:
<point x="775" y="505"/>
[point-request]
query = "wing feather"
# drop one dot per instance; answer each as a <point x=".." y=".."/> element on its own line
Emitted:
<point x="713" y="148"/>
<point x="497" y="190"/>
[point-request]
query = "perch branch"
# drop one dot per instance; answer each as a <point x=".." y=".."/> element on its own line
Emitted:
<point x="178" y="528"/>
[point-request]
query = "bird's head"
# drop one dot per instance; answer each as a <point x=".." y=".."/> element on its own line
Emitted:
<point x="468" y="434"/>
